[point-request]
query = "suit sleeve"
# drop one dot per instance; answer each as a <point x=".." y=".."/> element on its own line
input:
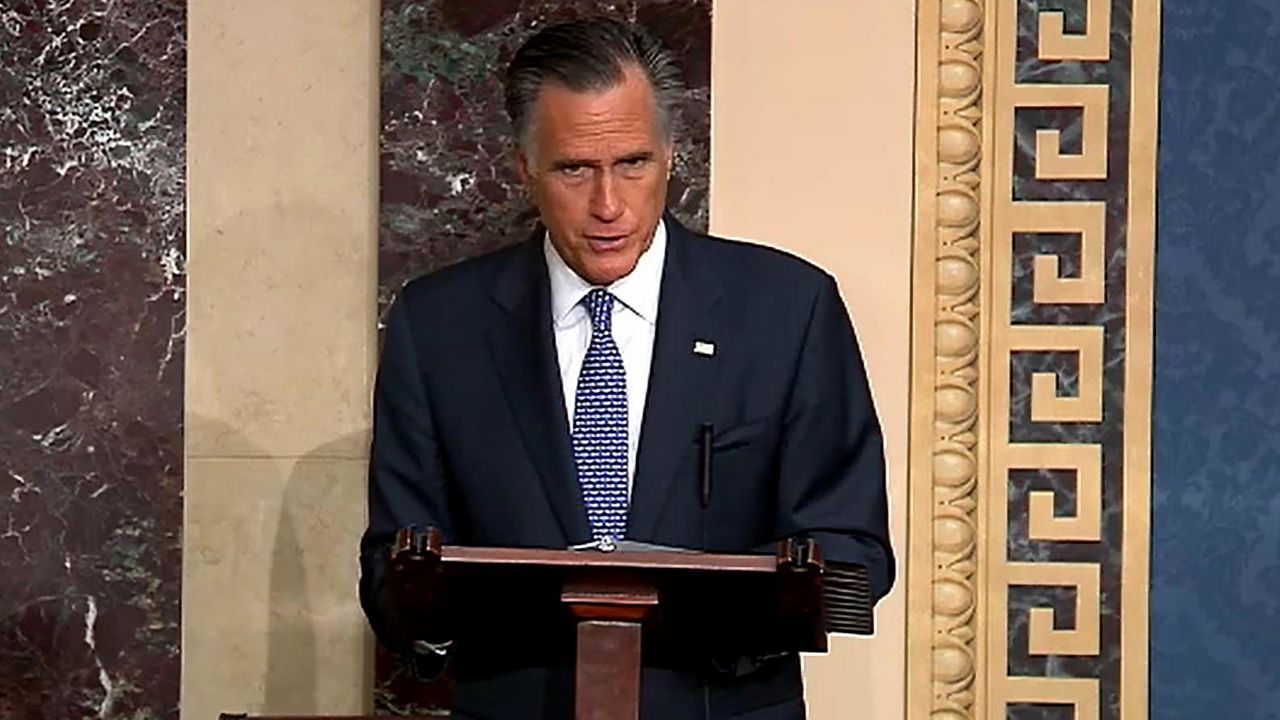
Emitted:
<point x="832" y="473"/>
<point x="406" y="473"/>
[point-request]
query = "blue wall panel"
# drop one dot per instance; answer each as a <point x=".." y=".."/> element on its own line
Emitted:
<point x="1215" y="600"/>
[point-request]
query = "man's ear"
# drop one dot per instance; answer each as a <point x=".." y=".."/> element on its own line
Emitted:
<point x="523" y="171"/>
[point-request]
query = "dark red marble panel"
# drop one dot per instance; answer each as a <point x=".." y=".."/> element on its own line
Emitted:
<point x="448" y="190"/>
<point x="91" y="315"/>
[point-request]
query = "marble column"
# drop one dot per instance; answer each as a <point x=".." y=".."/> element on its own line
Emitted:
<point x="283" y="101"/>
<point x="91" y="357"/>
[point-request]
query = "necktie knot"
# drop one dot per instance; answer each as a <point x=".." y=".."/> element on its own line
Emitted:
<point x="600" y="307"/>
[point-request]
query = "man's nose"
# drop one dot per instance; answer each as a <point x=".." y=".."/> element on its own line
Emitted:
<point x="605" y="204"/>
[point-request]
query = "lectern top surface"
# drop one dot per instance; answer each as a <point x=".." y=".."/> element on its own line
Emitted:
<point x="654" y="560"/>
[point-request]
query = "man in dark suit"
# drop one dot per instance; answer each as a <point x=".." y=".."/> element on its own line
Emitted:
<point x="552" y="394"/>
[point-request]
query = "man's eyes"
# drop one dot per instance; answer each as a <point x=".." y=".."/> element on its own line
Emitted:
<point x="578" y="171"/>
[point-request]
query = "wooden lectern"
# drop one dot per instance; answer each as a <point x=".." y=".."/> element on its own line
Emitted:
<point x="673" y="603"/>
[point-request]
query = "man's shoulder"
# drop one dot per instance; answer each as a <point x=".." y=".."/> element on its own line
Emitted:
<point x="759" y="265"/>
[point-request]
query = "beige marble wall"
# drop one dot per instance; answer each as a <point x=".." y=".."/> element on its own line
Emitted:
<point x="282" y="105"/>
<point x="811" y="150"/>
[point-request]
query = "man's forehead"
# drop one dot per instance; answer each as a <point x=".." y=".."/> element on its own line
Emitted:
<point x="616" y="120"/>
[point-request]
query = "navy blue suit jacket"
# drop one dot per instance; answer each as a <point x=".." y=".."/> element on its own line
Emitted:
<point x="470" y="435"/>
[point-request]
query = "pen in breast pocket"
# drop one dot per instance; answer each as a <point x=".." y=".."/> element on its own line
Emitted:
<point x="707" y="431"/>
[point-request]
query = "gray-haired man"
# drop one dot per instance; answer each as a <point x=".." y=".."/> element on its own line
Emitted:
<point x="550" y="394"/>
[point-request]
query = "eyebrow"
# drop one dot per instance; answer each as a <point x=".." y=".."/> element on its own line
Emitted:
<point x="582" y="162"/>
<point x="572" y="163"/>
<point x="632" y="157"/>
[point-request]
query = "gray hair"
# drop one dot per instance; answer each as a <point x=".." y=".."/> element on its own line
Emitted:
<point x="589" y="55"/>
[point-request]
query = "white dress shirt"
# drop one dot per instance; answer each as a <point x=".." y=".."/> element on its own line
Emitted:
<point x="635" y="318"/>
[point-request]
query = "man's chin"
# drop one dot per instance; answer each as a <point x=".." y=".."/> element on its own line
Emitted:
<point x="610" y="270"/>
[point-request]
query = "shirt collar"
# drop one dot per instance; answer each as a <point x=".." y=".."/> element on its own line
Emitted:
<point x="638" y="290"/>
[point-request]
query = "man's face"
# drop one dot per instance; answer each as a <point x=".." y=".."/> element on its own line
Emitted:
<point x="598" y="174"/>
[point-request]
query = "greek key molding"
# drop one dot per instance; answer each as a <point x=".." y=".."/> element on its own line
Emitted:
<point x="1055" y="43"/>
<point x="1092" y="102"/>
<point x="1086" y="219"/>
<point x="1030" y="423"/>
<point x="1082" y="460"/>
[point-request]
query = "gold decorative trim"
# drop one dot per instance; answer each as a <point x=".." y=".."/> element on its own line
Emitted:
<point x="1144" y="83"/>
<point x="943" y="616"/>
<point x="1094" y="44"/>
<point x="965" y="336"/>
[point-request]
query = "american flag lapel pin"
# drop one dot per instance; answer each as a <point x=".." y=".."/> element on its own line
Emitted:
<point x="704" y="348"/>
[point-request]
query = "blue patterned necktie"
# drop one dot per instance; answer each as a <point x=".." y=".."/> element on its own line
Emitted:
<point x="600" y="425"/>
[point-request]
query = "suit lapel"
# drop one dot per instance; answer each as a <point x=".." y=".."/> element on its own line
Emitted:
<point x="524" y="352"/>
<point x="680" y="382"/>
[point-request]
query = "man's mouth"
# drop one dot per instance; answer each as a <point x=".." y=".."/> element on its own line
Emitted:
<point x="605" y="240"/>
